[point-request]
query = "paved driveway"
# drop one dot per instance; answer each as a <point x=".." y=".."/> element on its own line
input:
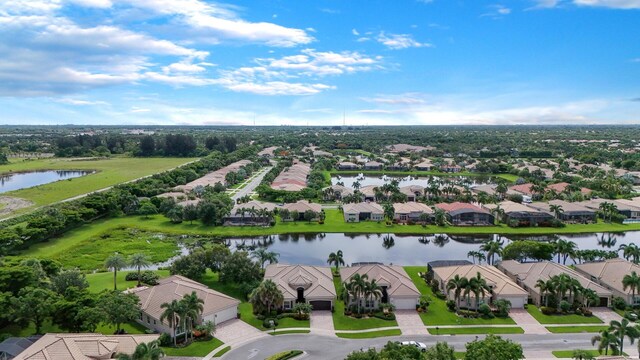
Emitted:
<point x="233" y="331"/>
<point x="410" y="323"/>
<point x="322" y="323"/>
<point x="527" y="322"/>
<point x="605" y="314"/>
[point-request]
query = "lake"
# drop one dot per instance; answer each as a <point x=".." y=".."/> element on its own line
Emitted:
<point x="23" y="180"/>
<point x="408" y="180"/>
<point x="313" y="249"/>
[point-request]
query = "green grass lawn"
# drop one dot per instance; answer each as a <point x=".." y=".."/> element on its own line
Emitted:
<point x="288" y="332"/>
<point x="222" y="352"/>
<point x="438" y="313"/>
<point x="343" y="322"/>
<point x="568" y="354"/>
<point x="195" y="349"/>
<point x="369" y="334"/>
<point x="476" y="330"/>
<point x="575" y="329"/>
<point x="104" y="280"/>
<point x="47" y="327"/>
<point x="561" y="319"/>
<point x="109" y="172"/>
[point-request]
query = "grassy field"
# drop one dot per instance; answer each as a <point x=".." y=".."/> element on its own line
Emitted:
<point x="195" y="349"/>
<point x="109" y="172"/>
<point x="104" y="280"/>
<point x="369" y="334"/>
<point x="476" y="330"/>
<point x="343" y="322"/>
<point x="438" y="313"/>
<point x="561" y="319"/>
<point x="575" y="329"/>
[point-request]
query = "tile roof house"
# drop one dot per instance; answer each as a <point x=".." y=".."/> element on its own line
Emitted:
<point x="373" y="165"/>
<point x="215" y="177"/>
<point x="461" y="213"/>
<point x="301" y="283"/>
<point x="411" y="211"/>
<point x="268" y="152"/>
<point x="522" y="215"/>
<point x="337" y="192"/>
<point x="397" y="148"/>
<point x="218" y="307"/>
<point x="524" y="189"/>
<point x="572" y="212"/>
<point x="397" y="287"/>
<point x="628" y="208"/>
<point x="368" y="192"/>
<point x="346" y="165"/>
<point x="293" y="178"/>
<point x="425" y="165"/>
<point x="238" y="216"/>
<point x="527" y="274"/>
<point x="413" y="192"/>
<point x="301" y="206"/>
<point x="502" y="287"/>
<point x="609" y="273"/>
<point x="562" y="186"/>
<point x="356" y="212"/>
<point x="83" y="346"/>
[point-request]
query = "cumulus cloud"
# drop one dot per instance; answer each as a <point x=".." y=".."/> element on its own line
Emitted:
<point x="497" y="11"/>
<point x="399" y="41"/>
<point x="615" y="4"/>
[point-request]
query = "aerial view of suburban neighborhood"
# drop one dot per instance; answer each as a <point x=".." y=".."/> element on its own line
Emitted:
<point x="321" y="180"/>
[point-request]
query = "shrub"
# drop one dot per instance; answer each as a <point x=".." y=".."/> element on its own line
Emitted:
<point x="383" y="316"/>
<point x="587" y="312"/>
<point x="267" y="322"/>
<point x="165" y="339"/>
<point x="503" y="306"/>
<point x="440" y="295"/>
<point x="451" y="305"/>
<point x="547" y="310"/>
<point x="146" y="277"/>
<point x="565" y="306"/>
<point x="484" y="309"/>
<point x="468" y="314"/>
<point x="618" y="303"/>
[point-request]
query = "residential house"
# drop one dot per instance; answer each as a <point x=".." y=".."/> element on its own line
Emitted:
<point x="303" y="284"/>
<point x="214" y="177"/>
<point x="500" y="285"/>
<point x="217" y="307"/>
<point x="293" y="178"/>
<point x="346" y="165"/>
<point x="609" y="273"/>
<point x="373" y="165"/>
<point x="83" y="346"/>
<point x="397" y="287"/>
<point x="320" y="153"/>
<point x="368" y="192"/>
<point x="301" y="207"/>
<point x="562" y="187"/>
<point x="571" y="212"/>
<point x="425" y="165"/>
<point x="250" y="213"/>
<point x="412" y="212"/>
<point x="363" y="211"/>
<point x="466" y="214"/>
<point x="628" y="208"/>
<point x="413" y="192"/>
<point x="399" y="148"/>
<point x="487" y="189"/>
<point x="527" y="275"/>
<point x="337" y="192"/>
<point x="450" y="168"/>
<point x="520" y="215"/>
<point x="268" y="152"/>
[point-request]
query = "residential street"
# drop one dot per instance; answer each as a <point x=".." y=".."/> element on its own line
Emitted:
<point x="252" y="184"/>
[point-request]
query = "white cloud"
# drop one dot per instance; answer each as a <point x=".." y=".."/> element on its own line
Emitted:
<point x="103" y="4"/>
<point x="544" y="4"/>
<point x="355" y="32"/>
<point x="615" y="4"/>
<point x="497" y="11"/>
<point x="399" y="41"/>
<point x="80" y="102"/>
<point x="402" y="99"/>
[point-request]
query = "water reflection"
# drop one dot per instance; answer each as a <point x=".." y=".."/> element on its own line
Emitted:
<point x="17" y="181"/>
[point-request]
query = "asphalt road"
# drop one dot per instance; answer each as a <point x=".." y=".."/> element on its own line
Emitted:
<point x="251" y="185"/>
<point x="333" y="348"/>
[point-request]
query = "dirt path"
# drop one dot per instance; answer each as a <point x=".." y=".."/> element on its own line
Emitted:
<point x="9" y="204"/>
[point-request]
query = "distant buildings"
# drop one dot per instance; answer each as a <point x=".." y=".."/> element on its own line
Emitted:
<point x="293" y="178"/>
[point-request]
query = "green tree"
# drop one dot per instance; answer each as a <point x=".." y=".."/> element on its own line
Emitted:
<point x="115" y="262"/>
<point x="262" y="255"/>
<point x="139" y="261"/>
<point x="606" y="341"/>
<point x="622" y="329"/>
<point x="336" y="259"/>
<point x="238" y="268"/>
<point x="69" y="278"/>
<point x="171" y="313"/>
<point x="190" y="213"/>
<point x="70" y="311"/>
<point x="458" y="284"/>
<point x="34" y="305"/>
<point x="193" y="307"/>
<point x="176" y="214"/>
<point x="493" y="347"/>
<point x="582" y="355"/>
<point x="492" y="248"/>
<point x="440" y="351"/>
<point x="144" y="351"/>
<point x="266" y="297"/>
<point x="310" y="215"/>
<point x="119" y="308"/>
<point x="147" y="208"/>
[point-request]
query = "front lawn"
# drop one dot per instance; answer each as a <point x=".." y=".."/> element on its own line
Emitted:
<point x="289" y="332"/>
<point x="369" y="334"/>
<point x="438" y="313"/>
<point x="576" y="329"/>
<point x="568" y="354"/>
<point x="343" y="322"/>
<point x="561" y="319"/>
<point x="473" y="330"/>
<point x="195" y="349"/>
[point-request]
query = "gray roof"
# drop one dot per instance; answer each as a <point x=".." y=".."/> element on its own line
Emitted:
<point x="14" y="346"/>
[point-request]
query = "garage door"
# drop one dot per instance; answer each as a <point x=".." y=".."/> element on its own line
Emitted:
<point x="516" y="302"/>
<point x="404" y="304"/>
<point x="320" y="305"/>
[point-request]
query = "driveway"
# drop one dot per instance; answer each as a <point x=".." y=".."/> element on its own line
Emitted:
<point x="527" y="322"/>
<point x="605" y="314"/>
<point x="322" y="323"/>
<point x="410" y="323"/>
<point x="234" y="331"/>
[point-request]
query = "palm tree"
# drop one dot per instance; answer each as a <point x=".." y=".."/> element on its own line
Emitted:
<point x="115" y="262"/>
<point x="336" y="259"/>
<point x="561" y="284"/>
<point x="546" y="288"/>
<point x="139" y="261"/>
<point x="492" y="248"/>
<point x="389" y="212"/>
<point x="358" y="284"/>
<point x="478" y="285"/>
<point x="630" y="251"/>
<point x="194" y="307"/>
<point x="622" y="329"/>
<point x="144" y="351"/>
<point x="473" y="254"/>
<point x="171" y="312"/>
<point x="372" y="291"/>
<point x="606" y="341"/>
<point x="564" y="248"/>
<point x="458" y="285"/>
<point x="589" y="298"/>
<point x="632" y="282"/>
<point x="262" y="255"/>
<point x="582" y="355"/>
<point x="557" y="210"/>
<point x="498" y="214"/>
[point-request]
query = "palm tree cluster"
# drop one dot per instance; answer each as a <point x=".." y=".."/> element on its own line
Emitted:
<point x="262" y="255"/>
<point x="630" y="252"/>
<point x="144" y="351"/>
<point x="266" y="297"/>
<point x="563" y="286"/>
<point x="254" y="214"/>
<point x="117" y="262"/>
<point x="608" y="210"/>
<point x="183" y="314"/>
<point x="362" y="291"/>
<point x="612" y="339"/>
<point x="463" y="287"/>
<point x="492" y="248"/>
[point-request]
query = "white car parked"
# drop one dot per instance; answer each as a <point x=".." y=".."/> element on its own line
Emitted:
<point x="419" y="345"/>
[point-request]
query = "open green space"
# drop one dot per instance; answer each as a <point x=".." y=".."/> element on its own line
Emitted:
<point x="195" y="349"/>
<point x="104" y="280"/>
<point x="369" y="334"/>
<point x="109" y="172"/>
<point x="561" y="319"/>
<point x="476" y="330"/>
<point x="438" y="313"/>
<point x="576" y="329"/>
<point x="568" y="354"/>
<point x="343" y="322"/>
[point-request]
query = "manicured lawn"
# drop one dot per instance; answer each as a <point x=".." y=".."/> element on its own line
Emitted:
<point x="568" y="354"/>
<point x="109" y="172"/>
<point x="104" y="280"/>
<point x="561" y="319"/>
<point x="130" y="328"/>
<point x="438" y="313"/>
<point x="285" y="332"/>
<point x="222" y="352"/>
<point x="576" y="329"/>
<point x="472" y="330"/>
<point x="369" y="334"/>
<point x="342" y="322"/>
<point x="195" y="349"/>
<point x="459" y="354"/>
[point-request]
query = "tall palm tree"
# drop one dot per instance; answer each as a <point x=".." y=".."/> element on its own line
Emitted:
<point x="492" y="248"/>
<point x="372" y="290"/>
<point x="473" y="254"/>
<point x="622" y="329"/>
<point x="115" y="262"/>
<point x="194" y="307"/>
<point x="561" y="284"/>
<point x="440" y="217"/>
<point x="358" y="284"/>
<point x="606" y="341"/>
<point x="589" y="298"/>
<point x="336" y="259"/>
<point x="498" y="214"/>
<point x="478" y="285"/>
<point x="564" y="248"/>
<point x="139" y="261"/>
<point x="458" y="284"/>
<point x="144" y="351"/>
<point x="630" y="251"/>
<point x="632" y="282"/>
<point x="262" y="255"/>
<point x="171" y="313"/>
<point x="557" y="210"/>
<point x="581" y="355"/>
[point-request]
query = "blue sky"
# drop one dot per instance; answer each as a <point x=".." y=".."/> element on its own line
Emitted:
<point x="293" y="62"/>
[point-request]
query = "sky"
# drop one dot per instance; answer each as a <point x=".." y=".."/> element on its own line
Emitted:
<point x="319" y="62"/>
